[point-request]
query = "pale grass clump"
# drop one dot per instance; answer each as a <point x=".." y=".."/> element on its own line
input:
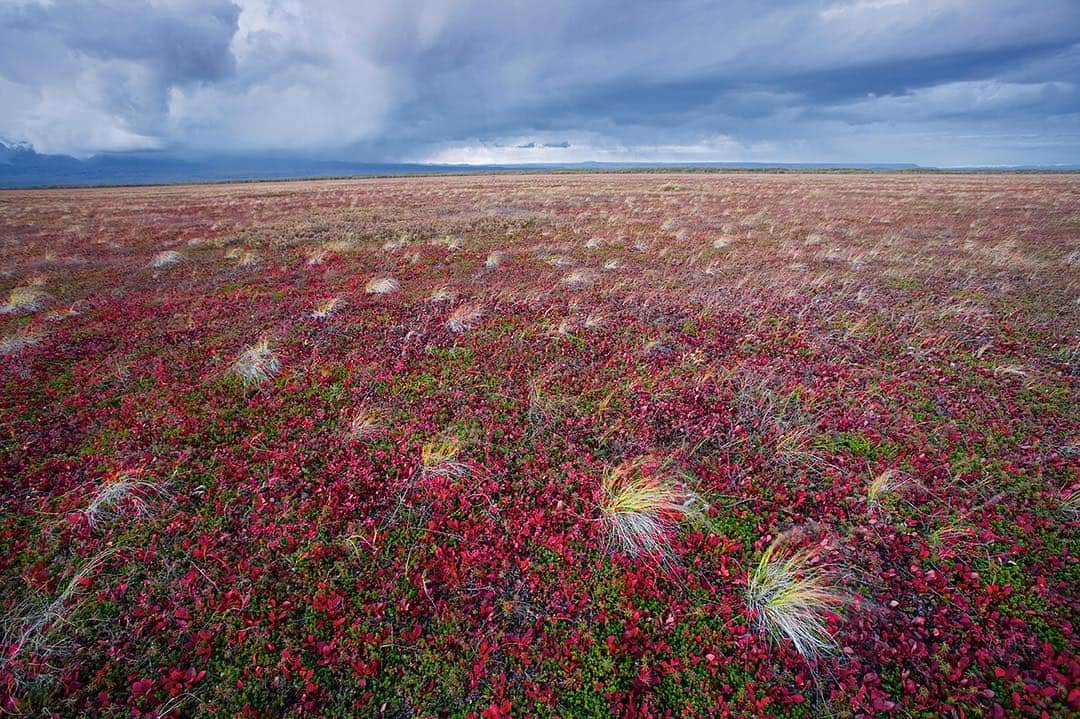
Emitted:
<point x="326" y="308"/>
<point x="441" y="294"/>
<point x="166" y="258"/>
<point x="594" y="320"/>
<point x="722" y="242"/>
<point x="397" y="243"/>
<point x="1070" y="504"/>
<point x="28" y="298"/>
<point x="577" y="278"/>
<point x="248" y="259"/>
<point x="951" y="531"/>
<point x="886" y="484"/>
<point x="464" y="318"/>
<point x="642" y="502"/>
<point x="62" y="314"/>
<point x="17" y="341"/>
<point x="449" y="242"/>
<point x="121" y="493"/>
<point x="791" y="596"/>
<point x="40" y="628"/>
<point x="382" y="286"/>
<point x="366" y="423"/>
<point x="545" y="408"/>
<point x="438" y="458"/>
<point x="256" y="363"/>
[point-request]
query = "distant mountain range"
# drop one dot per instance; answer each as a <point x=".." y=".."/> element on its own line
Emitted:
<point x="22" y="166"/>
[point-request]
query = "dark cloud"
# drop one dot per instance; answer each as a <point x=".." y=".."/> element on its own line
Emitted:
<point x="487" y="80"/>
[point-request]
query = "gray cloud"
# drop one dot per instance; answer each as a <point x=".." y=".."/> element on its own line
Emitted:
<point x="844" y="80"/>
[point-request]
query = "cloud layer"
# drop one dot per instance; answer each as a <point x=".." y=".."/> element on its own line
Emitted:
<point x="931" y="81"/>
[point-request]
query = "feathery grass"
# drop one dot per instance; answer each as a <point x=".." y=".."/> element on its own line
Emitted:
<point x="1070" y="504"/>
<point x="326" y="308"/>
<point x="464" y="317"/>
<point x="17" y="341"/>
<point x="881" y="487"/>
<point x="791" y="596"/>
<point x="35" y="629"/>
<point x="256" y="363"/>
<point x="438" y="458"/>
<point x="641" y="503"/>
<point x="441" y="294"/>
<point x="577" y="278"/>
<point x="366" y="423"/>
<point x="382" y="285"/>
<point x="28" y="298"/>
<point x="166" y="258"/>
<point x="119" y="493"/>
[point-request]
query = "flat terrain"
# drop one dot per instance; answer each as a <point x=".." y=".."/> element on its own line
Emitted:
<point x="538" y="445"/>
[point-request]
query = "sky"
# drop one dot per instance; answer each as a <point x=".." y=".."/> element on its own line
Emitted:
<point x="933" y="82"/>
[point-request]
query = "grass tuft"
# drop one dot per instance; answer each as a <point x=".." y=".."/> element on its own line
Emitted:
<point x="438" y="458"/>
<point x="577" y="278"/>
<point x="256" y="363"/>
<point x="28" y="298"/>
<point x="442" y="295"/>
<point x="39" y="628"/>
<point x="120" y="493"/>
<point x="791" y="596"/>
<point x="17" y="341"/>
<point x="326" y="308"/>
<point x="166" y="258"/>
<point x="366" y="423"/>
<point x="883" y="486"/>
<point x="641" y="503"/>
<point x="464" y="318"/>
<point x="382" y="285"/>
<point x="1070" y="504"/>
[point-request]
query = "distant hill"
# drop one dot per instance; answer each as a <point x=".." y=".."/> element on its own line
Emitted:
<point x="22" y="166"/>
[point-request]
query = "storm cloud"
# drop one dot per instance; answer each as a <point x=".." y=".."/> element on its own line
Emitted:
<point x="941" y="82"/>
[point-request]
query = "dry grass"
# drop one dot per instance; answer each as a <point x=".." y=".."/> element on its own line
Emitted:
<point x="39" y="628"/>
<point x="256" y="364"/>
<point x="382" y="286"/>
<point x="438" y="458"/>
<point x="464" y="318"/>
<point x="442" y="295"/>
<point x="1070" y="504"/>
<point x="17" y="341"/>
<point x="122" y="493"/>
<point x="886" y="484"/>
<point x="366" y="423"/>
<point x="28" y="298"/>
<point x="791" y="596"/>
<point x="641" y="503"/>
<point x="166" y="258"/>
<point x="577" y="278"/>
<point x="248" y="259"/>
<point x="326" y="308"/>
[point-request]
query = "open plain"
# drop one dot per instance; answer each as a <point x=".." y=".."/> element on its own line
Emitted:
<point x="778" y="445"/>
